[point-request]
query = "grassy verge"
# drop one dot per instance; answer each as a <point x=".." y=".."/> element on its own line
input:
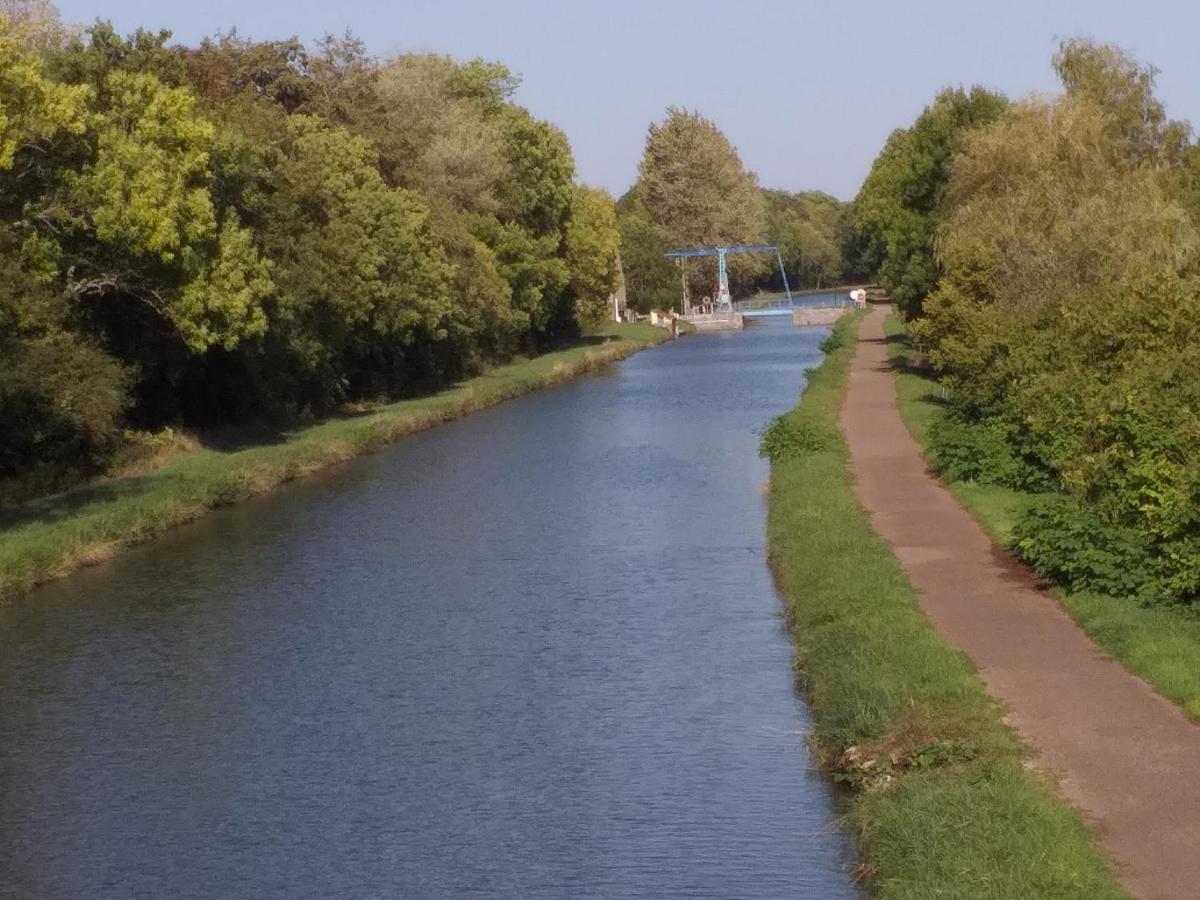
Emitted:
<point x="1160" y="644"/>
<point x="943" y="804"/>
<point x="53" y="536"/>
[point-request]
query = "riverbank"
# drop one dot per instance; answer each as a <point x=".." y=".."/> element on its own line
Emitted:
<point x="943" y="803"/>
<point x="53" y="536"/>
<point x="1160" y="644"/>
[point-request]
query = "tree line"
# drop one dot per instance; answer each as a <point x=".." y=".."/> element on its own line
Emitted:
<point x="248" y="231"/>
<point x="1045" y="254"/>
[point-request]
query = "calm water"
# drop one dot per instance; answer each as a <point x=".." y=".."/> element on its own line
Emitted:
<point x="534" y="653"/>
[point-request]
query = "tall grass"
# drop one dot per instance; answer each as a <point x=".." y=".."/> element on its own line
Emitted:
<point x="1161" y="644"/>
<point x="943" y="803"/>
<point x="50" y="537"/>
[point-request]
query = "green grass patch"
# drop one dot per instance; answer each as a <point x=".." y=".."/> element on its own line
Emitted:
<point x="942" y="802"/>
<point x="1160" y="644"/>
<point x="52" y="536"/>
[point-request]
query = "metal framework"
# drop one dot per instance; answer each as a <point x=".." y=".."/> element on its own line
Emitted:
<point x="724" y="301"/>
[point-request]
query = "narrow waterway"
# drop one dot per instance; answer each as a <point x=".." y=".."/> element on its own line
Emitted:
<point x="533" y="653"/>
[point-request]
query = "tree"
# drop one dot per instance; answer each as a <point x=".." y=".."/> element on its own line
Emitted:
<point x="32" y="107"/>
<point x="651" y="280"/>
<point x="144" y="223"/>
<point x="355" y="260"/>
<point x="809" y="230"/>
<point x="694" y="185"/>
<point x="1068" y="316"/>
<point x="439" y="132"/>
<point x="902" y="203"/>
<point x="593" y="248"/>
<point x="1105" y="76"/>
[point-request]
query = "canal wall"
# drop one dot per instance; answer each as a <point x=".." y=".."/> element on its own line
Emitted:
<point x="818" y="315"/>
<point x="728" y="322"/>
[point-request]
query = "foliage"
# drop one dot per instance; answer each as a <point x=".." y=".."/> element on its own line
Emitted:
<point x="1075" y="548"/>
<point x="789" y="435"/>
<point x="982" y="451"/>
<point x="651" y="280"/>
<point x="955" y="804"/>
<point x="32" y="107"/>
<point x="61" y="402"/>
<point x="593" y="249"/>
<point x="695" y="187"/>
<point x="1069" y="315"/>
<point x="810" y="230"/>
<point x="902" y="203"/>
<point x="249" y="228"/>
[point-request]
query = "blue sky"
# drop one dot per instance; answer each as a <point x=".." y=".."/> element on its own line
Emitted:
<point x="807" y="91"/>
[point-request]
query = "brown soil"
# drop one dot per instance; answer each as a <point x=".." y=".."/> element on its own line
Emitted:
<point x="1126" y="757"/>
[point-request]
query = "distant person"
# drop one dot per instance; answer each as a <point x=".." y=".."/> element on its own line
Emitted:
<point x="859" y="296"/>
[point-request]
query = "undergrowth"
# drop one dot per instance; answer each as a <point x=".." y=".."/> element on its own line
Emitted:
<point x="1106" y="579"/>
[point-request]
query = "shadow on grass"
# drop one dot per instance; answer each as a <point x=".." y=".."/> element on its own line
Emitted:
<point x="57" y="507"/>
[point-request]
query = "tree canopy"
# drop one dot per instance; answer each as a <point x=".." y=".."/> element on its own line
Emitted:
<point x="902" y="203"/>
<point x="249" y="229"/>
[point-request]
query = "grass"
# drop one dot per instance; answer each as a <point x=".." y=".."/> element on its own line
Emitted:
<point x="1160" y="644"/>
<point x="943" y="803"/>
<point x="51" y="537"/>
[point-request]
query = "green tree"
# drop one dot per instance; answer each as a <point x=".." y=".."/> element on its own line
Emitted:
<point x="902" y="203"/>
<point x="1068" y="314"/>
<point x="651" y="280"/>
<point x="1106" y="76"/>
<point x="145" y="224"/>
<point x="32" y="107"/>
<point x="809" y="229"/>
<point x="355" y="260"/>
<point x="593" y="248"/>
<point x="694" y="185"/>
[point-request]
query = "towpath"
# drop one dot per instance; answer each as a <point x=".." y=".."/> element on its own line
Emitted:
<point x="1127" y="758"/>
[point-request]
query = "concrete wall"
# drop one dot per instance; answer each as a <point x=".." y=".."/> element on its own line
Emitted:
<point x="818" y="315"/>
<point x="729" y="322"/>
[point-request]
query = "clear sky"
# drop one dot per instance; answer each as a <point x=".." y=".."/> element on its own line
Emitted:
<point x="808" y="91"/>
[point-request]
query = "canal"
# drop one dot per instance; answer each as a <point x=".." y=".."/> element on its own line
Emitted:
<point x="532" y="653"/>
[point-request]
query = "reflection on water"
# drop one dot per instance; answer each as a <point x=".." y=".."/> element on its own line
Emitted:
<point x="534" y="653"/>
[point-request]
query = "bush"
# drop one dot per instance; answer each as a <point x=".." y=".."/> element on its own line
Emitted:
<point x="984" y="452"/>
<point x="789" y="435"/>
<point x="61" y="400"/>
<point x="1071" y="546"/>
<point x="835" y="340"/>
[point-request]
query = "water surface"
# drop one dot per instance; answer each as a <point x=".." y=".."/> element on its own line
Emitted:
<point x="533" y="653"/>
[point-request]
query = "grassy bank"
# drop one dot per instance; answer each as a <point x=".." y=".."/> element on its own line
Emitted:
<point x="1161" y="644"/>
<point x="53" y="536"/>
<point x="943" y="804"/>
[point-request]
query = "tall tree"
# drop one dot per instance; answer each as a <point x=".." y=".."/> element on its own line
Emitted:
<point x="593" y="248"/>
<point x="902" y="203"/>
<point x="651" y="280"/>
<point x="695" y="187"/>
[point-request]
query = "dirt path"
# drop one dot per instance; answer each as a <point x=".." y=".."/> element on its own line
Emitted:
<point x="1128" y="758"/>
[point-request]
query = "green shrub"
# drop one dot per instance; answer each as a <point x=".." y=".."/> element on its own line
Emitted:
<point x="835" y="340"/>
<point x="982" y="451"/>
<point x="790" y="435"/>
<point x="1072" y="547"/>
<point x="61" y="401"/>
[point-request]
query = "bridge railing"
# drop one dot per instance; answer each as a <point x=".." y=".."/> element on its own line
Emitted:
<point x="832" y="298"/>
